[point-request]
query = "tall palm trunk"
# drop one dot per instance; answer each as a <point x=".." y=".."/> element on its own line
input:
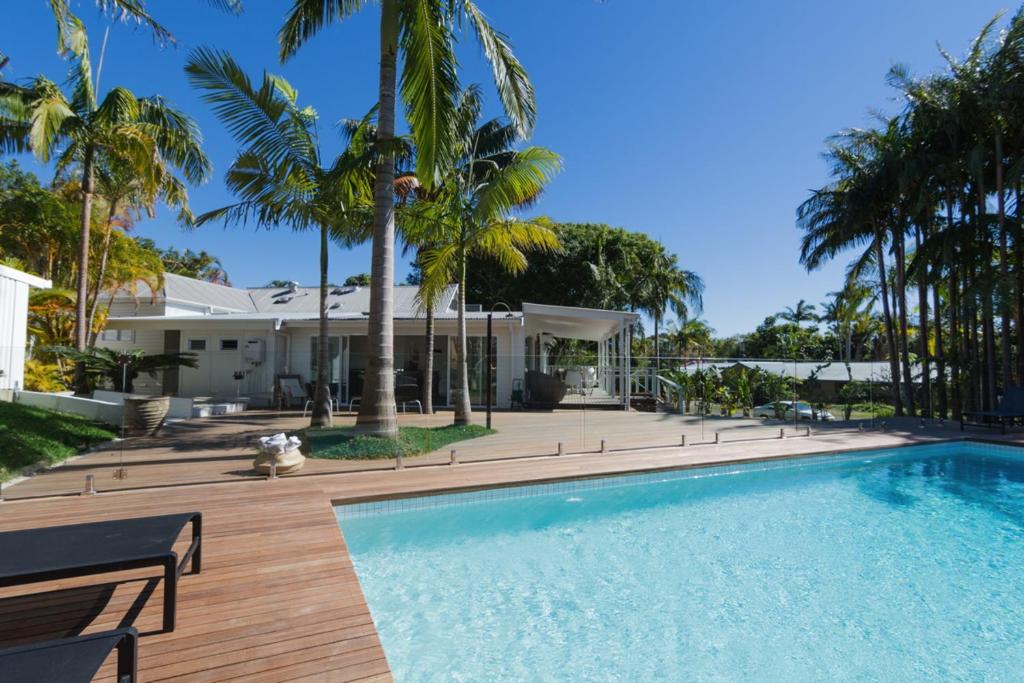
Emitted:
<point x="322" y="415"/>
<point x="84" y="236"/>
<point x="901" y="298"/>
<point x="657" y="348"/>
<point x="94" y="299"/>
<point x="377" y="413"/>
<point x="890" y="334"/>
<point x="922" y="303"/>
<point x="1018" y="258"/>
<point x="81" y="321"/>
<point x="428" y="365"/>
<point x="1004" y="268"/>
<point x="463" y="407"/>
<point x="988" y="310"/>
<point x="955" y="340"/>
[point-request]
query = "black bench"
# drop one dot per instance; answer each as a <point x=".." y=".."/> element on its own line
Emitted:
<point x="60" y="552"/>
<point x="72" y="660"/>
<point x="1010" y="408"/>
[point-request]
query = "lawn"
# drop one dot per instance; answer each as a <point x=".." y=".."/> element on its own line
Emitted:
<point x="341" y="443"/>
<point x="30" y="435"/>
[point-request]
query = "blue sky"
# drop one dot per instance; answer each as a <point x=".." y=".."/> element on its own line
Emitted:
<point x="700" y="123"/>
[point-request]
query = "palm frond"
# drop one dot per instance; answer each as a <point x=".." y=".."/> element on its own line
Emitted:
<point x="429" y="85"/>
<point x="514" y="87"/>
<point x="518" y="184"/>
<point x="307" y="17"/>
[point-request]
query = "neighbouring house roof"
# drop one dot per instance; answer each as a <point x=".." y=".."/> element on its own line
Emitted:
<point x="825" y="371"/>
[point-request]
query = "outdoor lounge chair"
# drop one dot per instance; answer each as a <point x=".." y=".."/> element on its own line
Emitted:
<point x="60" y="552"/>
<point x="408" y="393"/>
<point x="1010" y="408"/>
<point x="72" y="660"/>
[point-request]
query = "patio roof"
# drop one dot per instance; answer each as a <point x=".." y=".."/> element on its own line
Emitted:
<point x="589" y="324"/>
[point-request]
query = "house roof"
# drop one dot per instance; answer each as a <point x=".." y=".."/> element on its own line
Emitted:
<point x="272" y="303"/>
<point x="592" y="324"/>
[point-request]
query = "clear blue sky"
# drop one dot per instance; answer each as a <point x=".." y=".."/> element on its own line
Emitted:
<point x="700" y="122"/>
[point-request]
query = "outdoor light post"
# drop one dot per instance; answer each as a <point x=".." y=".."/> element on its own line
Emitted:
<point x="490" y="362"/>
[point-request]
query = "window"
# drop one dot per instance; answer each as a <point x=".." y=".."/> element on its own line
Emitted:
<point x="196" y="345"/>
<point x="118" y="335"/>
<point x="228" y="344"/>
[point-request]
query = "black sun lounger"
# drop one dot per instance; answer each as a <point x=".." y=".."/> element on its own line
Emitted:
<point x="71" y="660"/>
<point x="60" y="552"/>
<point x="1010" y="408"/>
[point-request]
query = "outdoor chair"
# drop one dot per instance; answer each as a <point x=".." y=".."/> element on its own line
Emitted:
<point x="290" y="390"/>
<point x="311" y="399"/>
<point x="574" y="379"/>
<point x="1010" y="408"/>
<point x="72" y="660"/>
<point x="60" y="552"/>
<point x="408" y="393"/>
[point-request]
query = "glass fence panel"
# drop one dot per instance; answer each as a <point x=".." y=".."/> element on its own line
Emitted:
<point x="597" y="403"/>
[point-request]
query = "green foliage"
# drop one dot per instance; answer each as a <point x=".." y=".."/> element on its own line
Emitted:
<point x="43" y="376"/>
<point x="199" y="265"/>
<point x="360" y="280"/>
<point x="342" y="443"/>
<point x="121" y="368"/>
<point x="30" y="435"/>
<point x="598" y="266"/>
<point x="775" y="340"/>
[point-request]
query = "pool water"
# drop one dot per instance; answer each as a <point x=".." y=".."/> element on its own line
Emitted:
<point x="890" y="565"/>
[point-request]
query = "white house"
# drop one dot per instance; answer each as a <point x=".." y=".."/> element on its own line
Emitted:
<point x="14" y="287"/>
<point x="246" y="338"/>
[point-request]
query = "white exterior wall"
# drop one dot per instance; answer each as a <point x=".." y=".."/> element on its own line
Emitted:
<point x="215" y="374"/>
<point x="14" y="287"/>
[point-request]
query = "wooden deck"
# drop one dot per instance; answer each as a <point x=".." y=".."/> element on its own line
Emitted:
<point x="278" y="598"/>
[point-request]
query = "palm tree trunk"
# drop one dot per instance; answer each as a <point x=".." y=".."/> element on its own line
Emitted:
<point x="890" y="334"/>
<point x="901" y="290"/>
<point x="922" y="303"/>
<point x="428" y="365"/>
<point x="463" y="407"/>
<point x="1018" y="253"/>
<point x="955" y="341"/>
<point x="657" y="348"/>
<point x="84" y="236"/>
<point x="377" y="413"/>
<point x="81" y="321"/>
<point x="322" y="415"/>
<point x="1004" y="268"/>
<point x="988" y="310"/>
<point x="94" y="301"/>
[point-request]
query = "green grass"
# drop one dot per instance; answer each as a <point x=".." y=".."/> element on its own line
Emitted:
<point x="30" y="435"/>
<point x="341" y="443"/>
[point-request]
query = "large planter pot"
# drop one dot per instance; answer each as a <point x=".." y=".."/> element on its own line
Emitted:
<point x="144" y="415"/>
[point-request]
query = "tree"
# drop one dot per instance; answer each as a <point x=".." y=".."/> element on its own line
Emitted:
<point x="360" y="280"/>
<point x="470" y="212"/>
<point x="804" y="312"/>
<point x="88" y="132"/>
<point x="664" y="284"/>
<point x="200" y="265"/>
<point x="280" y="175"/>
<point x="423" y="32"/>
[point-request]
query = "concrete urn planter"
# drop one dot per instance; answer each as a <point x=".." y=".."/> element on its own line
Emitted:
<point x="281" y="450"/>
<point x="145" y="415"/>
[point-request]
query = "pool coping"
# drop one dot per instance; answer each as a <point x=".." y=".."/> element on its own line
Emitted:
<point x="724" y="461"/>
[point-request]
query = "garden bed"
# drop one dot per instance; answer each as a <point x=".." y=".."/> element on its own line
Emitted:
<point x="30" y="436"/>
<point x="342" y="443"/>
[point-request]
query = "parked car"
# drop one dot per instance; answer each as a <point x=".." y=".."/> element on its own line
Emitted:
<point x="803" y="410"/>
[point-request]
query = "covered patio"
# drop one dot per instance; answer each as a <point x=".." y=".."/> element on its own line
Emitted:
<point x="561" y="372"/>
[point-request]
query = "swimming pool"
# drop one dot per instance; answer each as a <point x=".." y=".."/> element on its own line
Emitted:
<point x="904" y="564"/>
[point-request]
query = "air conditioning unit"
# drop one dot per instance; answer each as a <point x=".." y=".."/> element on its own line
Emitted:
<point x="254" y="351"/>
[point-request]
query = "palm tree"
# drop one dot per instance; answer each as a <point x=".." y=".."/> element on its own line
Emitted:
<point x="280" y="175"/>
<point x="86" y="131"/>
<point x="469" y="213"/>
<point x="423" y="32"/>
<point x="803" y="312"/>
<point x="662" y="285"/>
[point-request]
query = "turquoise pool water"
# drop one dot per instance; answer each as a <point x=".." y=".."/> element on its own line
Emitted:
<point x="892" y="565"/>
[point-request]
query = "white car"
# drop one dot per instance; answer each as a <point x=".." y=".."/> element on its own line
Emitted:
<point x="803" y="410"/>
